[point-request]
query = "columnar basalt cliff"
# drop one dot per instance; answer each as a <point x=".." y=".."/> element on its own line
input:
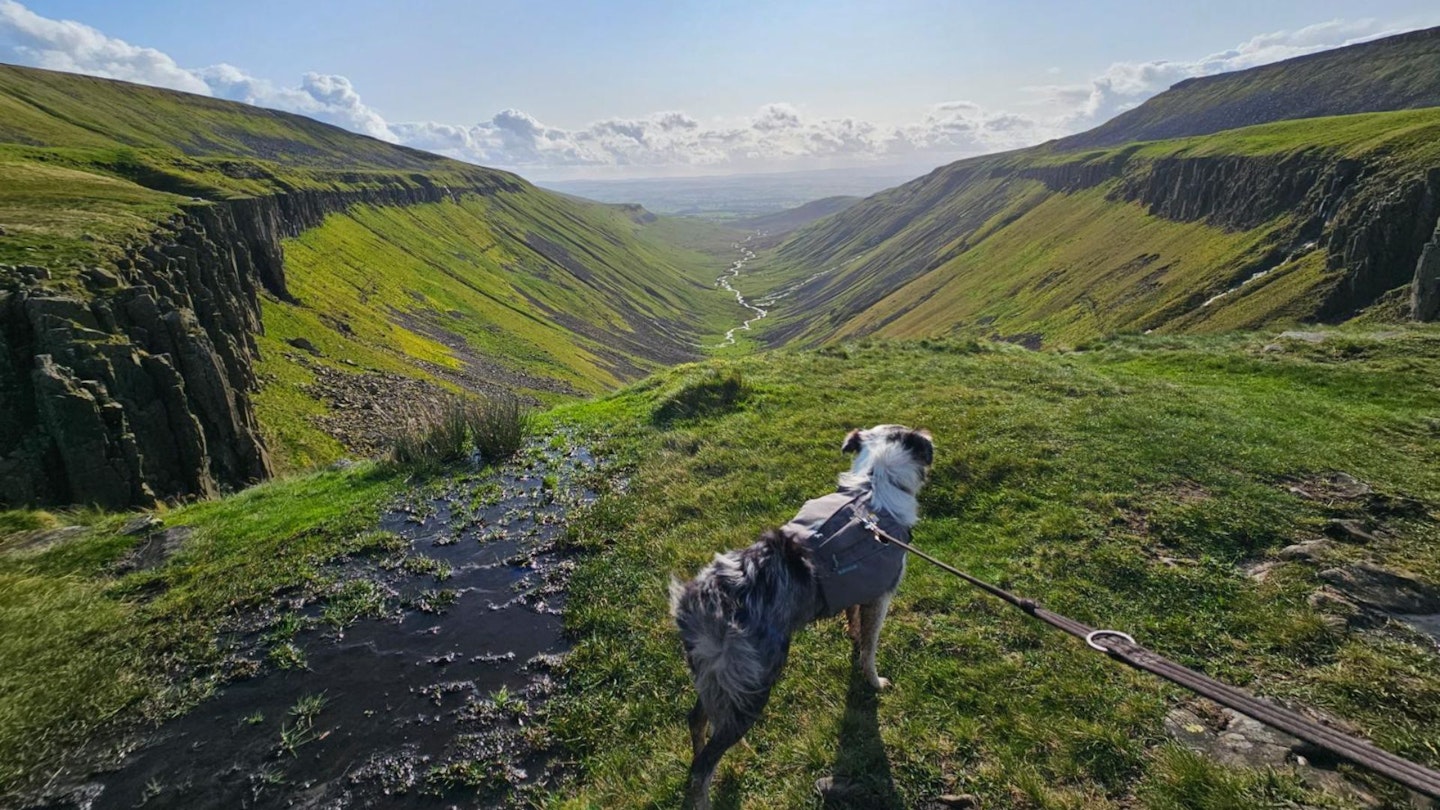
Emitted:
<point x="140" y="390"/>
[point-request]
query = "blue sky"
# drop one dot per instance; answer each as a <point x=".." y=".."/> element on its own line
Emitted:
<point x="654" y="88"/>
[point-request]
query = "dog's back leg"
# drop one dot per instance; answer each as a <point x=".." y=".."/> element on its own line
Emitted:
<point x="727" y="733"/>
<point x="698" y="722"/>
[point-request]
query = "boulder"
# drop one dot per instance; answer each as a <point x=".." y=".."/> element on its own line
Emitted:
<point x="1384" y="589"/>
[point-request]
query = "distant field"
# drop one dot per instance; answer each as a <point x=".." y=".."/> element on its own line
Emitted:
<point x="734" y="196"/>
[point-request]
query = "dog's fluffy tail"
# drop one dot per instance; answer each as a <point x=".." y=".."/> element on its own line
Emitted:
<point x="734" y="662"/>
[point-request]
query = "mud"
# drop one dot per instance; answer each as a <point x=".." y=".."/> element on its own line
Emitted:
<point x="429" y="701"/>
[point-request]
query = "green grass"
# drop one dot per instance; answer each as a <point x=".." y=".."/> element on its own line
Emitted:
<point x="1389" y="74"/>
<point x="82" y="648"/>
<point x="1128" y="486"/>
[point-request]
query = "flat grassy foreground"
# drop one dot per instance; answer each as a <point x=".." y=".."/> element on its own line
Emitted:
<point x="1132" y="485"/>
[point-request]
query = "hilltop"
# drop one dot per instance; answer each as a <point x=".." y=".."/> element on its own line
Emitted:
<point x="288" y="290"/>
<point x="1400" y="72"/>
<point x="1313" y="219"/>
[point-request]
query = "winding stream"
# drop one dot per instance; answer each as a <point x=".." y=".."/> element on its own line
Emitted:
<point x="746" y="254"/>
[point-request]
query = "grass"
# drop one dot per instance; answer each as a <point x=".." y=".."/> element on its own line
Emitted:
<point x="492" y="430"/>
<point x="501" y="287"/>
<point x="1130" y="486"/>
<point x="1384" y="75"/>
<point x="300" y="730"/>
<point x="453" y="293"/>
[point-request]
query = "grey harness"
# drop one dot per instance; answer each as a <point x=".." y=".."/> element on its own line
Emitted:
<point x="852" y="567"/>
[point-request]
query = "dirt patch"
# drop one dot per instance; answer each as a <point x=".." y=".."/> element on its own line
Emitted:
<point x="1328" y="487"/>
<point x="368" y="409"/>
<point x="154" y="549"/>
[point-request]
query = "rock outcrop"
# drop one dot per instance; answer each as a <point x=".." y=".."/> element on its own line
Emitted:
<point x="140" y="389"/>
<point x="1380" y="231"/>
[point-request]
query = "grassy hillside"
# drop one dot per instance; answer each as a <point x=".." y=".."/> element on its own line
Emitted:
<point x="1394" y="73"/>
<point x="87" y="163"/>
<point x="506" y="293"/>
<point x="506" y="288"/>
<point x="1147" y="484"/>
<point x="1200" y="234"/>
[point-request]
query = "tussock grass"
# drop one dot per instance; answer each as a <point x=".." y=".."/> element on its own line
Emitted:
<point x="493" y="429"/>
<point x="1130" y="486"/>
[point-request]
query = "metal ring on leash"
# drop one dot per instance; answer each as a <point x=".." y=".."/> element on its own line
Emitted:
<point x="1091" y="636"/>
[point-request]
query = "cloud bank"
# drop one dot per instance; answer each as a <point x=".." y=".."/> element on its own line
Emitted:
<point x="776" y="136"/>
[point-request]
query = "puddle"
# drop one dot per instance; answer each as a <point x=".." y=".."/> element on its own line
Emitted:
<point x="431" y="707"/>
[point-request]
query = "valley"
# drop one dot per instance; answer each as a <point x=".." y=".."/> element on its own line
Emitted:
<point x="337" y="473"/>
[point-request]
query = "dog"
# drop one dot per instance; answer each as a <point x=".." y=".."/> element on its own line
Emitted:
<point x="737" y="616"/>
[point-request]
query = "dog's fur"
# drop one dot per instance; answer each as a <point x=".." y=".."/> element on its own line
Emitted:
<point x="738" y="614"/>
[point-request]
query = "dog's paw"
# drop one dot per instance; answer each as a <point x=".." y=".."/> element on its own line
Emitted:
<point x="880" y="683"/>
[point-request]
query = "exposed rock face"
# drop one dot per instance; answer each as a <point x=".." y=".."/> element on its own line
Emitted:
<point x="141" y="390"/>
<point x="1379" y="231"/>
<point x="1425" y="290"/>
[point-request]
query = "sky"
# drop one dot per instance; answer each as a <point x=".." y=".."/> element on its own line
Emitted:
<point x="635" y="88"/>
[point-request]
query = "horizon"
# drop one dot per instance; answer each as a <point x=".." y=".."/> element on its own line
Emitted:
<point x="851" y="87"/>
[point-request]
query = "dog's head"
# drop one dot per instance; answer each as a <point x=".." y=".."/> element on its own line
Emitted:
<point x="917" y="443"/>
<point x="894" y="459"/>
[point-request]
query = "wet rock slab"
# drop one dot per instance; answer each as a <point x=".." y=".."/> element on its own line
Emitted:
<point x="432" y="706"/>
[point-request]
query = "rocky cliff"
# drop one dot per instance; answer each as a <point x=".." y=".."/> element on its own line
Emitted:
<point x="140" y="389"/>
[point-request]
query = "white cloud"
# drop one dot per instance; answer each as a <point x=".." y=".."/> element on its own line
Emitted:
<point x="776" y="136"/>
<point x="78" y="48"/>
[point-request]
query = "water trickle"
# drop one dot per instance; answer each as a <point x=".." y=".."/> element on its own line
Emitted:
<point x="724" y="283"/>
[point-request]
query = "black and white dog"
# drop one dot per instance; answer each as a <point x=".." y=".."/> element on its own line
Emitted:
<point x="738" y="614"/>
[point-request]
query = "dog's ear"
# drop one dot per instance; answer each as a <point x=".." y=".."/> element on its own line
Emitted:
<point x="920" y="445"/>
<point x="852" y="442"/>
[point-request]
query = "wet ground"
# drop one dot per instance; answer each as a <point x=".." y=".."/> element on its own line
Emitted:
<point x="414" y="682"/>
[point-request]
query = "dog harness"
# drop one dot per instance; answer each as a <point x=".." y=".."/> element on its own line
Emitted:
<point x="852" y="567"/>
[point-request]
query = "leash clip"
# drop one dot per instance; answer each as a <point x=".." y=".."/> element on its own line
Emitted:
<point x="870" y="521"/>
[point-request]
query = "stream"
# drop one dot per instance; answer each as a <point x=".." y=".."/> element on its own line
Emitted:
<point x="746" y="254"/>
<point x="427" y="701"/>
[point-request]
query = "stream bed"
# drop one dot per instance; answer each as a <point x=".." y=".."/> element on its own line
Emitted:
<point x="414" y="683"/>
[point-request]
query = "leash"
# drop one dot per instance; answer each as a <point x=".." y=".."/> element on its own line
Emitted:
<point x="1122" y="647"/>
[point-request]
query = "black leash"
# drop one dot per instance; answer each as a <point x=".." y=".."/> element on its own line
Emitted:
<point x="1122" y="647"/>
